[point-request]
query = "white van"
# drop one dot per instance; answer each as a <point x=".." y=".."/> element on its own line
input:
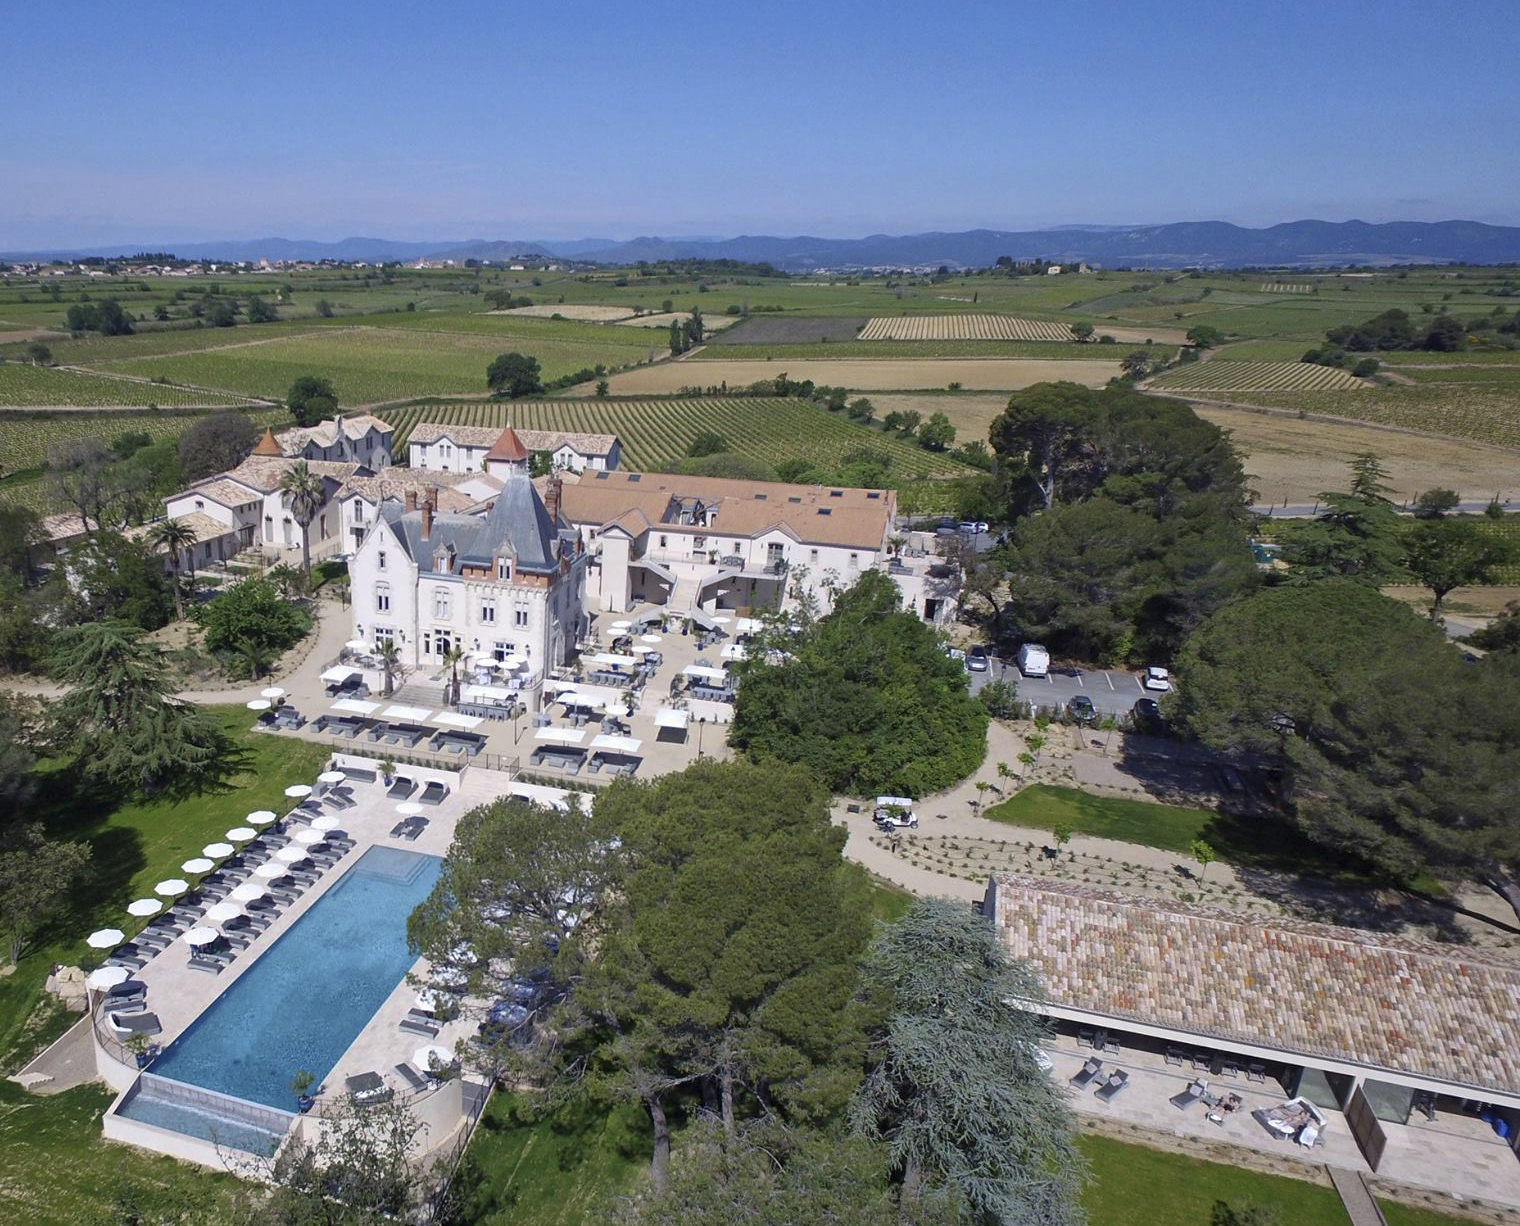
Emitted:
<point x="1034" y="660"/>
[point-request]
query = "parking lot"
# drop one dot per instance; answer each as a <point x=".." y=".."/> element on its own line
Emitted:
<point x="1112" y="691"/>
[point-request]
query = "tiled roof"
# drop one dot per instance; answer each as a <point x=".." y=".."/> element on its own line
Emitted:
<point x="220" y="489"/>
<point x="1313" y="989"/>
<point x="267" y="445"/>
<point x="62" y="527"/>
<point x="533" y="440"/>
<point x="264" y="472"/>
<point x="398" y="482"/>
<point x="204" y="527"/>
<point x="814" y="514"/>
<point x="325" y="433"/>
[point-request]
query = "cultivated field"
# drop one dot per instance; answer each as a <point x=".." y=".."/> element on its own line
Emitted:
<point x="663" y="319"/>
<point x="48" y="387"/>
<point x="1294" y="460"/>
<point x="1484" y="414"/>
<point x="655" y="432"/>
<point x="794" y="330"/>
<point x="367" y="365"/>
<point x="992" y="374"/>
<point x="26" y="435"/>
<point x="963" y="328"/>
<point x="1256" y="376"/>
<point x="1057" y="351"/>
<point x="585" y="311"/>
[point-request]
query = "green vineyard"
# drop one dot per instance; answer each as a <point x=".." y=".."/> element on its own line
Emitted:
<point x="23" y="386"/>
<point x="1256" y="376"/>
<point x="654" y="432"/>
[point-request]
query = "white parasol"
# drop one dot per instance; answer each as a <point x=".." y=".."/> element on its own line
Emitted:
<point x="201" y="935"/>
<point x="172" y="888"/>
<point x="144" y="907"/>
<point x="105" y="938"/>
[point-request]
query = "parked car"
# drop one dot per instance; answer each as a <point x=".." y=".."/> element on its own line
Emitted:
<point x="894" y="813"/>
<point x="973" y="527"/>
<point x="1157" y="679"/>
<point x="1147" y="713"/>
<point x="1034" y="660"/>
<point x="955" y="653"/>
<point x="1081" y="709"/>
<point x="977" y="659"/>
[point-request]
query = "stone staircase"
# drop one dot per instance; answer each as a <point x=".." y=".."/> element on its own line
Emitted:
<point x="684" y="595"/>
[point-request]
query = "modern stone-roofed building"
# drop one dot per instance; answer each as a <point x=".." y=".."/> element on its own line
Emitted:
<point x="504" y="581"/>
<point x="1373" y="1026"/>
<point x="454" y="448"/>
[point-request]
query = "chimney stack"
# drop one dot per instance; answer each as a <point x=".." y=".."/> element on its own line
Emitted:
<point x="427" y="516"/>
<point x="411" y="500"/>
<point x="552" y="496"/>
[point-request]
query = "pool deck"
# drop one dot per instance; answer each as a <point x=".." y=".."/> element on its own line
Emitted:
<point x="178" y="994"/>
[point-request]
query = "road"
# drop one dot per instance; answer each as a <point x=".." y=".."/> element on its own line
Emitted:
<point x="1112" y="690"/>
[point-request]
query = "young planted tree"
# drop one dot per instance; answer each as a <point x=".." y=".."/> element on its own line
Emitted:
<point x="1203" y="855"/>
<point x="304" y="494"/>
<point x="957" y="1095"/>
<point x="174" y="537"/>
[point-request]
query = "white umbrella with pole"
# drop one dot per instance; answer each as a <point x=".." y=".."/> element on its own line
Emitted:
<point x="326" y="822"/>
<point x="241" y="834"/>
<point x="289" y="855"/>
<point x="296" y="791"/>
<point x="105" y="938"/>
<point x="223" y="911"/>
<point x="308" y="836"/>
<point x="434" y="1059"/>
<point x="201" y="935"/>
<point x="198" y="865"/>
<point x="261" y="817"/>
<point x="217" y="850"/>
<point x="107" y="977"/>
<point x="269" y="870"/>
<point x="249" y="891"/>
<point x="257" y="704"/>
<point x="172" y="888"/>
<point x="272" y="691"/>
<point x="144" y="907"/>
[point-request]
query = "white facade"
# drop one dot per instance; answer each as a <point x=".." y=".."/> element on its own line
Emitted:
<point x="363" y="439"/>
<point x="465" y="449"/>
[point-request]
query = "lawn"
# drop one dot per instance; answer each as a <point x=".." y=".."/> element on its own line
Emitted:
<point x="59" y="1170"/>
<point x="134" y="844"/>
<point x="1045" y="807"/>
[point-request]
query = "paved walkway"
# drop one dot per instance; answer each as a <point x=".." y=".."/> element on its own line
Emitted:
<point x="68" y="1062"/>
<point x="1360" y="1206"/>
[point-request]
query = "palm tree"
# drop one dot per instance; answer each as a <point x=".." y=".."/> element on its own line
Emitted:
<point x="390" y="657"/>
<point x="452" y="657"/>
<point x="258" y="657"/>
<point x="304" y="496"/>
<point x="176" y="537"/>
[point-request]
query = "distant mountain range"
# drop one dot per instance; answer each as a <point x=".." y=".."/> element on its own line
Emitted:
<point x="1210" y="244"/>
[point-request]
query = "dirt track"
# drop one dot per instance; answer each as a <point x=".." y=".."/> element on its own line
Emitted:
<point x="991" y="374"/>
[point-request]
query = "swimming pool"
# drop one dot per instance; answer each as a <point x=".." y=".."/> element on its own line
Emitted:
<point x="309" y="995"/>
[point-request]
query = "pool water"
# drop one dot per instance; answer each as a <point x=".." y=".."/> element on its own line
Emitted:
<point x="309" y="995"/>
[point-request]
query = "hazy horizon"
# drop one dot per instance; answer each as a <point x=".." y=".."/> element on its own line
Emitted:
<point x="603" y="121"/>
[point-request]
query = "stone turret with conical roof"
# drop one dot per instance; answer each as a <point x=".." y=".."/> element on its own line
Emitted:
<point x="268" y="445"/>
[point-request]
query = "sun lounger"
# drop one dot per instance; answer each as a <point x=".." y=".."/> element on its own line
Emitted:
<point x="1117" y="1080"/>
<point x="210" y="965"/>
<point x="130" y="961"/>
<point x="367" y="1089"/>
<point x="1088" y="1071"/>
<point x="411" y="1076"/>
<point x="401" y="787"/>
<point x="1195" y="1091"/>
<point x="433" y="794"/>
<point x="414" y="1025"/>
<point x="131" y="992"/>
<point x="135" y="1023"/>
<point x="414" y="831"/>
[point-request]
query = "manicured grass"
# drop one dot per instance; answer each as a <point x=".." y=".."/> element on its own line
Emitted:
<point x="59" y="1170"/>
<point x="1130" y="821"/>
<point x="889" y="903"/>
<point x="562" y="1170"/>
<point x="135" y="844"/>
<point x="1135" y="1184"/>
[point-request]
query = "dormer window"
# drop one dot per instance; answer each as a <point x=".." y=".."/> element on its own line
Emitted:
<point x="443" y="562"/>
<point x="503" y="569"/>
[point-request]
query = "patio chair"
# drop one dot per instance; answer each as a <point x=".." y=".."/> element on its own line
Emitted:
<point x="1195" y="1091"/>
<point x="126" y="1024"/>
<point x="127" y="961"/>
<point x="133" y="991"/>
<point x="1110" y="1042"/>
<point x="411" y="1076"/>
<point x="1174" y="1055"/>
<point x="1117" y="1080"/>
<point x="1256" y="1071"/>
<point x="1087" y="1072"/>
<point x="414" y="831"/>
<point x="368" y="1090"/>
<point x="1229" y="1068"/>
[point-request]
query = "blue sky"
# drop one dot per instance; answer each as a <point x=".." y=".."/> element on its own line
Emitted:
<point x="320" y="119"/>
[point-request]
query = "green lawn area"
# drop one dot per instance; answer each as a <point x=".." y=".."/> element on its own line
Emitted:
<point x="135" y="844"/>
<point x="60" y="1172"/>
<point x="1044" y="807"/>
